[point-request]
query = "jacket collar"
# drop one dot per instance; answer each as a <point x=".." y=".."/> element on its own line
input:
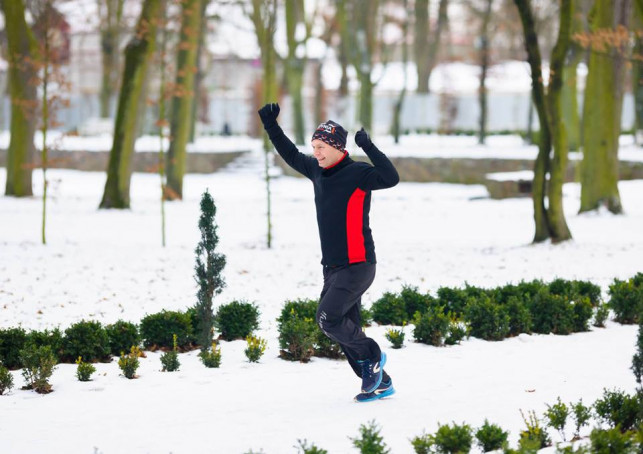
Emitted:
<point x="343" y="162"/>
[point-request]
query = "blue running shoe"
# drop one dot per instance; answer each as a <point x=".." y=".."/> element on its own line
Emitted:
<point x="372" y="373"/>
<point x="385" y="389"/>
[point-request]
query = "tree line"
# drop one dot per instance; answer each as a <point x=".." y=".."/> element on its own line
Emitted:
<point x="169" y="38"/>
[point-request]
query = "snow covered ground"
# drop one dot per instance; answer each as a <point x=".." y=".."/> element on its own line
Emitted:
<point x="109" y="265"/>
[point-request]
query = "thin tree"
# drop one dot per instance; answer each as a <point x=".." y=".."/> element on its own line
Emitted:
<point x="208" y="271"/>
<point x="397" y="110"/>
<point x="201" y="103"/>
<point x="138" y="53"/>
<point x="264" y="18"/>
<point x="549" y="218"/>
<point x="183" y="97"/>
<point x="637" y="72"/>
<point x="111" y="16"/>
<point x="609" y="40"/>
<point x="162" y="122"/>
<point x="22" y="48"/>
<point x="51" y="79"/>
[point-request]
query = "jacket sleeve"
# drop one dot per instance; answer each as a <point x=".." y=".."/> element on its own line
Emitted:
<point x="306" y="165"/>
<point x="382" y="174"/>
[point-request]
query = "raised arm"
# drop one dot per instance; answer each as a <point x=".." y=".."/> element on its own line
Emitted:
<point x="383" y="174"/>
<point x="306" y="165"/>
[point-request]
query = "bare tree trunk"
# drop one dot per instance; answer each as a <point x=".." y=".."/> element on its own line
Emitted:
<point x="602" y="112"/>
<point x="109" y="40"/>
<point x="397" y="112"/>
<point x="183" y="97"/>
<point x="21" y="51"/>
<point x="484" y="66"/>
<point x="637" y="73"/>
<point x="426" y="48"/>
<point x="201" y="92"/>
<point x="541" y="166"/>
<point x="294" y="65"/>
<point x="264" y="17"/>
<point x="556" y="216"/>
<point x="137" y="56"/>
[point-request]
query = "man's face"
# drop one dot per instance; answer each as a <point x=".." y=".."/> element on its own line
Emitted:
<point x="325" y="154"/>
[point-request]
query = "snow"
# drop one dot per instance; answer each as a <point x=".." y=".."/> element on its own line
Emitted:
<point x="523" y="175"/>
<point x="107" y="265"/>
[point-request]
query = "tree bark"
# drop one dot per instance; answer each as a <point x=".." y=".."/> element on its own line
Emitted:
<point x="571" y="115"/>
<point x="294" y="66"/>
<point x="21" y="51"/>
<point x="109" y="40"/>
<point x="397" y="112"/>
<point x="556" y="216"/>
<point x="183" y="97"/>
<point x="484" y="66"/>
<point x="426" y="48"/>
<point x="201" y="92"/>
<point x="137" y="55"/>
<point x="602" y="113"/>
<point x="364" y="19"/>
<point x="637" y="73"/>
<point x="541" y="165"/>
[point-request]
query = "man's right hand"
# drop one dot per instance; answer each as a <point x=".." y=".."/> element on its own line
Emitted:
<point x="268" y="114"/>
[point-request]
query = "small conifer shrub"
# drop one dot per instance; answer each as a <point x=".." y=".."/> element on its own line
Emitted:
<point x="395" y="337"/>
<point x="236" y="320"/>
<point x="612" y="441"/>
<point x="170" y="359"/>
<point x="304" y="448"/>
<point x="6" y="380"/>
<point x="491" y="437"/>
<point x="534" y="436"/>
<point x="298" y="331"/>
<point x="122" y="335"/>
<point x="54" y="338"/>
<point x="370" y="441"/>
<point x="486" y="319"/>
<point x="626" y="299"/>
<point x="389" y="310"/>
<point x="129" y="363"/>
<point x="556" y="415"/>
<point x="208" y="271"/>
<point x="39" y="364"/>
<point x="255" y="349"/>
<point x="581" y="414"/>
<point x="618" y="409"/>
<point x="211" y="358"/>
<point x="423" y="444"/>
<point x="453" y="439"/>
<point x="637" y="359"/>
<point x="84" y="370"/>
<point x="431" y="327"/>
<point x="158" y="330"/>
<point x="12" y="340"/>
<point x="88" y="339"/>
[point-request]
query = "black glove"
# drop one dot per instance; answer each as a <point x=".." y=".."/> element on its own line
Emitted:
<point x="268" y="114"/>
<point x="362" y="140"/>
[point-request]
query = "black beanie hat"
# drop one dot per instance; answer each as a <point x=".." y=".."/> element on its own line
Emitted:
<point x="331" y="133"/>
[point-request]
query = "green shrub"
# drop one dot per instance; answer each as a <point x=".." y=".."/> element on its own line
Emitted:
<point x="534" y="436"/>
<point x="395" y="337"/>
<point x="38" y="366"/>
<point x="389" y="310"/>
<point x="583" y="312"/>
<point x="6" y="380"/>
<point x="306" y="309"/>
<point x="552" y="313"/>
<point x="432" y="327"/>
<point x="491" y="437"/>
<point x="452" y="300"/>
<point x="236" y="320"/>
<point x="458" y="330"/>
<point x="523" y="291"/>
<point x="414" y="301"/>
<point x="601" y="315"/>
<point x="122" y="335"/>
<point x="54" y="338"/>
<point x="556" y="415"/>
<point x="626" y="299"/>
<point x="423" y="444"/>
<point x="370" y="441"/>
<point x="255" y="349"/>
<point x="582" y="414"/>
<point x="297" y="338"/>
<point x="129" y="363"/>
<point x="170" y="359"/>
<point x="520" y="320"/>
<point x="84" y="370"/>
<point x="304" y="448"/>
<point x="589" y="290"/>
<point x="486" y="319"/>
<point x="87" y="339"/>
<point x="612" y="441"/>
<point x="12" y="340"/>
<point x="618" y="409"/>
<point x="211" y="358"/>
<point x="453" y="439"/>
<point x="158" y="330"/>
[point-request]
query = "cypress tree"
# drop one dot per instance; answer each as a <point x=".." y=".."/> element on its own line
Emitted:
<point x="637" y="360"/>
<point x="209" y="266"/>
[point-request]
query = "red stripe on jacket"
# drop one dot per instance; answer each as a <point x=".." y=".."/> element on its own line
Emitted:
<point x="355" y="227"/>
